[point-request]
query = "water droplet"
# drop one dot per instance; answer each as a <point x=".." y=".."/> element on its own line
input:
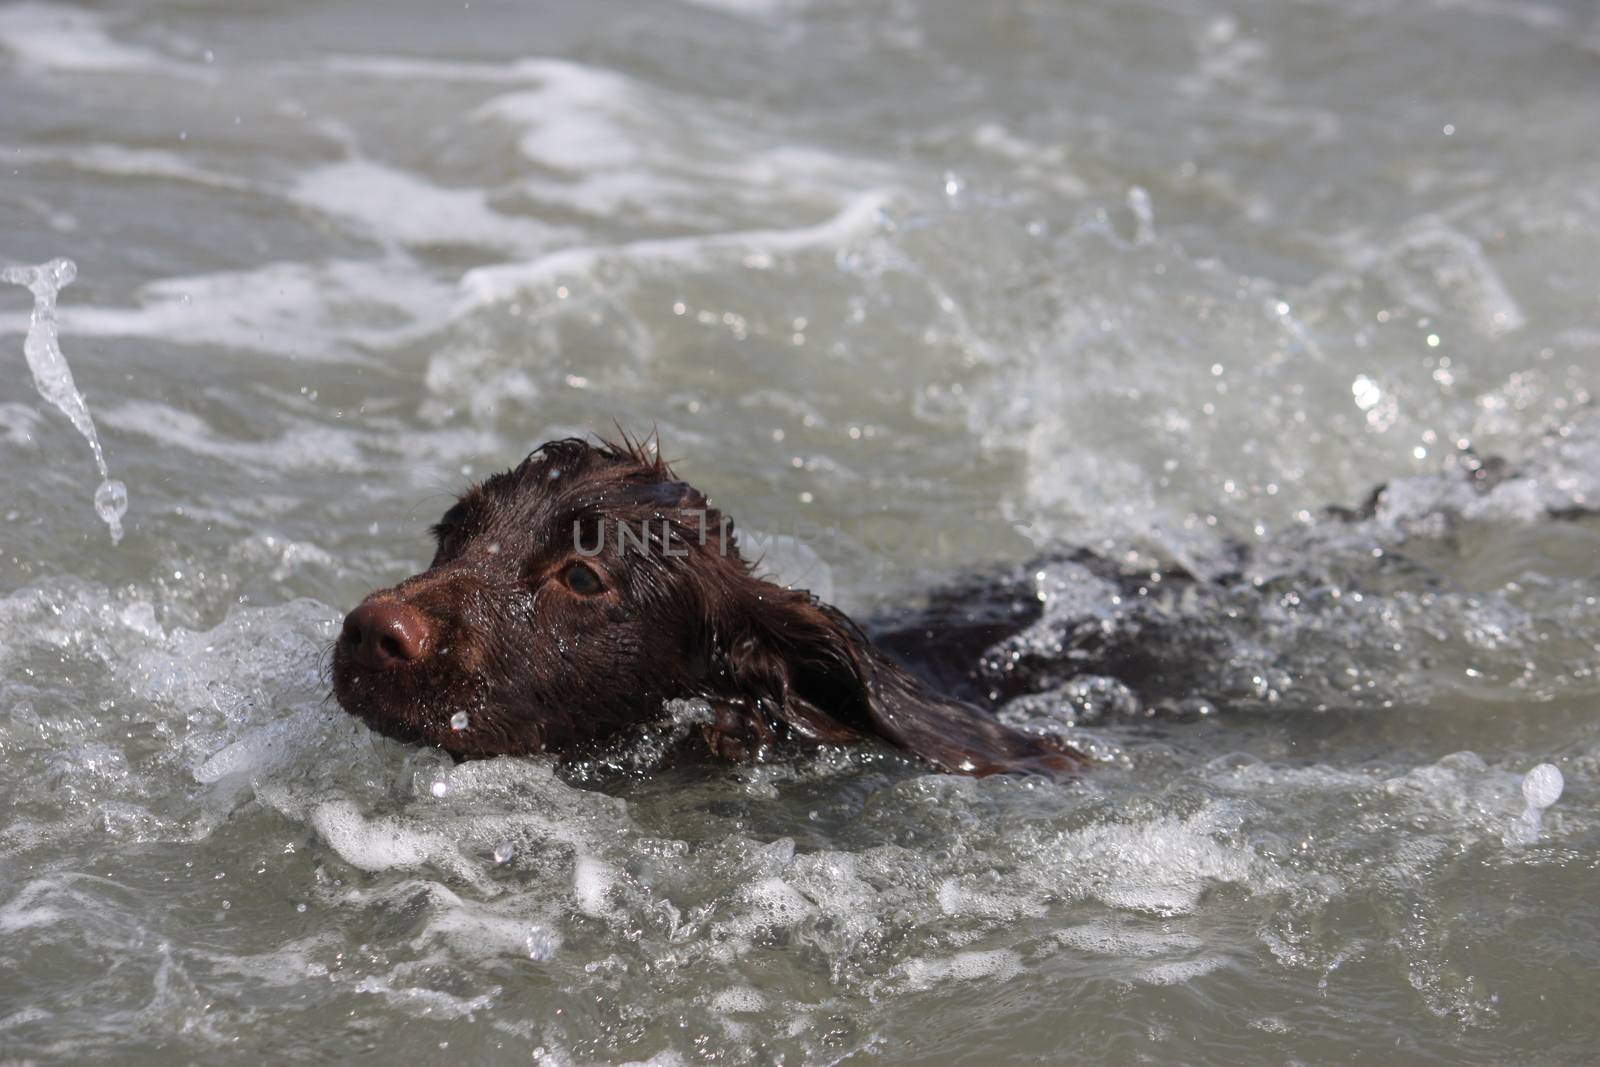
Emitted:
<point x="53" y="378"/>
<point x="459" y="721"/>
<point x="111" y="503"/>
<point x="1367" y="392"/>
<point x="1541" y="787"/>
<point x="541" y="944"/>
<point x="503" y="852"/>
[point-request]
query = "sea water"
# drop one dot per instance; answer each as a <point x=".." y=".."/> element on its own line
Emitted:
<point x="914" y="291"/>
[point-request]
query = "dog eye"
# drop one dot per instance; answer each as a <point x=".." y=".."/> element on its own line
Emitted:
<point x="581" y="579"/>
<point x="450" y="522"/>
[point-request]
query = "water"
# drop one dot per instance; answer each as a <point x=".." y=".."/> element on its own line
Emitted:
<point x="915" y="291"/>
<point x="53" y="377"/>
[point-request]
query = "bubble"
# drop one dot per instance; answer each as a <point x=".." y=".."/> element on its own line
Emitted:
<point x="440" y="787"/>
<point x="459" y="721"/>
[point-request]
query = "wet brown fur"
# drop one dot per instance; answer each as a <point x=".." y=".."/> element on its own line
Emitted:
<point x="537" y="667"/>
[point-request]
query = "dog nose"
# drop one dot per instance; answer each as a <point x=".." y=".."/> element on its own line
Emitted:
<point x="385" y="634"/>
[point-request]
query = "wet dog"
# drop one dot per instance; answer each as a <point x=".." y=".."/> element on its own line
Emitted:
<point x="573" y="597"/>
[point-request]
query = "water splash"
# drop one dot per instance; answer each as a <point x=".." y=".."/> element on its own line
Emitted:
<point x="53" y="378"/>
<point x="1541" y="787"/>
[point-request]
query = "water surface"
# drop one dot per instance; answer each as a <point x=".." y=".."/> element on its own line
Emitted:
<point x="959" y="281"/>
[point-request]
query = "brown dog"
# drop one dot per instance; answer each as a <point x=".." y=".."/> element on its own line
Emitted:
<point x="572" y="597"/>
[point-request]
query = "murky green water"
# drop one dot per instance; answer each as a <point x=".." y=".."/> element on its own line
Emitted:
<point x="935" y="287"/>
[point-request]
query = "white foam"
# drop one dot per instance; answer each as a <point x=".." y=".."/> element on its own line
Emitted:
<point x="263" y="749"/>
<point x="410" y="69"/>
<point x="387" y="843"/>
<point x="333" y="311"/>
<point x="1435" y="267"/>
<point x="660" y="1059"/>
<point x="1045" y="165"/>
<point x="1532" y="15"/>
<point x="620" y="150"/>
<point x="763" y="9"/>
<point x="1180" y="972"/>
<point x="418" y="998"/>
<point x="282" y="557"/>
<point x="120" y="161"/>
<point x="480" y="929"/>
<point x="395" y="206"/>
<point x="488" y="285"/>
<point x="776" y="903"/>
<point x="738" y="1000"/>
<point x="19" y="423"/>
<point x="28" y="909"/>
<point x="958" y="899"/>
<point x="68" y="39"/>
<point x="1105" y="938"/>
<point x="592" y="882"/>
<point x="304" y="445"/>
<point x="925" y="972"/>
<point x="1160" y="867"/>
<point x="573" y="120"/>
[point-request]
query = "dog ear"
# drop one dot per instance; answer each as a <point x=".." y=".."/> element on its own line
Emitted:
<point x="956" y="736"/>
<point x="795" y="666"/>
